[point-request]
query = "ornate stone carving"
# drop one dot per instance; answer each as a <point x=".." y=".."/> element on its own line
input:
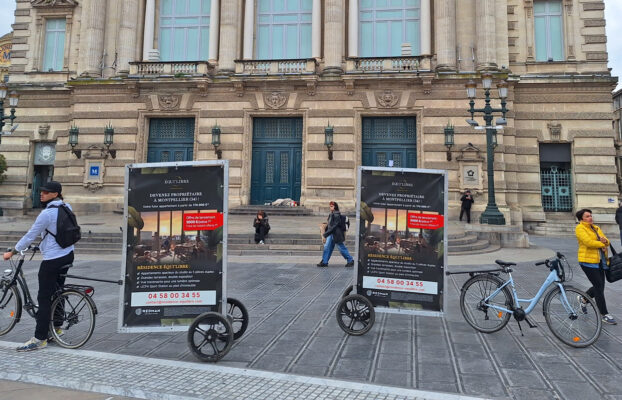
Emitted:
<point x="555" y="129"/>
<point x="53" y="3"/>
<point x="349" y="86"/>
<point x="239" y="88"/>
<point x="44" y="129"/>
<point x="169" y="101"/>
<point x="387" y="99"/>
<point x="311" y="86"/>
<point x="275" y="100"/>
<point x="92" y="186"/>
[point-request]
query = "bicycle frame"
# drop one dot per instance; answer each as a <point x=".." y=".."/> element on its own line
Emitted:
<point x="550" y="279"/>
<point x="19" y="281"/>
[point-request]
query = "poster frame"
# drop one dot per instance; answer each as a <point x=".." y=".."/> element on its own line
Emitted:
<point x="223" y="300"/>
<point x="388" y="310"/>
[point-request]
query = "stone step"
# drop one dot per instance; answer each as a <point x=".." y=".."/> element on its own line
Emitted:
<point x="467" y="239"/>
<point x="288" y="242"/>
<point x="478" y="245"/>
<point x="456" y="235"/>
<point x="489" y="249"/>
<point x="270" y="210"/>
<point x="277" y="246"/>
<point x="79" y="246"/>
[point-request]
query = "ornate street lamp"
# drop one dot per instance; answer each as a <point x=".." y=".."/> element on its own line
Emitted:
<point x="491" y="214"/>
<point x="74" y="132"/>
<point x="13" y="99"/>
<point x="328" y="140"/>
<point x="109" y="139"/>
<point x="449" y="139"/>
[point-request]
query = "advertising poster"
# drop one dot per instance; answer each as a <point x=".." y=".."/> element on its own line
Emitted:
<point x="174" y="248"/>
<point x="402" y="240"/>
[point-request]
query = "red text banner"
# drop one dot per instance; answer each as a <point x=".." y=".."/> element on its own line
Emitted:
<point x="202" y="221"/>
<point x="425" y="221"/>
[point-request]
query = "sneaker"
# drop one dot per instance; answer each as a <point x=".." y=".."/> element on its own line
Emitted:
<point x="582" y="303"/>
<point x="59" y="332"/>
<point x="261" y="242"/>
<point x="33" y="344"/>
<point x="321" y="264"/>
<point x="608" y="319"/>
<point x="350" y="264"/>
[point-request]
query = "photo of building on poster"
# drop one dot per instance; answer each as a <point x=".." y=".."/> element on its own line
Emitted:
<point x="174" y="252"/>
<point x="401" y="239"/>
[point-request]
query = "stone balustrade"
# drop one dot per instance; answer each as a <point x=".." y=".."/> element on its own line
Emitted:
<point x="388" y="64"/>
<point x="169" y="68"/>
<point x="276" y="67"/>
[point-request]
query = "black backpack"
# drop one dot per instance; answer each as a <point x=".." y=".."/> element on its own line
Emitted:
<point x="67" y="228"/>
<point x="344" y="223"/>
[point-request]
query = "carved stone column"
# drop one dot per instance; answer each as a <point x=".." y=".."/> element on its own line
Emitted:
<point x="214" y="25"/>
<point x="127" y="35"/>
<point x="229" y="35"/>
<point x="316" y="29"/>
<point x="486" y="34"/>
<point x="445" y="34"/>
<point x="569" y="25"/>
<point x="249" y="28"/>
<point x="94" y="18"/>
<point x="333" y="36"/>
<point x="353" y="29"/>
<point x="529" y="28"/>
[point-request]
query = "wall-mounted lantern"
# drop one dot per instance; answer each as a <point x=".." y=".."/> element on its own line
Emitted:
<point x="108" y="140"/>
<point x="216" y="141"/>
<point x="328" y="140"/>
<point x="449" y="139"/>
<point x="74" y="132"/>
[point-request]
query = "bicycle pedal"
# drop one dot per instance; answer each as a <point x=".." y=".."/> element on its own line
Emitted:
<point x="530" y="323"/>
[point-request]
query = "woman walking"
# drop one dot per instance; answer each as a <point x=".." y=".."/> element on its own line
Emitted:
<point x="335" y="235"/>
<point x="592" y="255"/>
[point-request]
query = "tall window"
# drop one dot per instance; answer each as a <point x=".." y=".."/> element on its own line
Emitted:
<point x="548" y="30"/>
<point x="54" y="51"/>
<point x="387" y="24"/>
<point x="184" y="30"/>
<point x="284" y="29"/>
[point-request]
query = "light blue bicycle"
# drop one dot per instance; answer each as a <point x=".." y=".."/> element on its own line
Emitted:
<point x="487" y="302"/>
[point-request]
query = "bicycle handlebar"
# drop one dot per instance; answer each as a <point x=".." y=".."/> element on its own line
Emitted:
<point x="541" y="263"/>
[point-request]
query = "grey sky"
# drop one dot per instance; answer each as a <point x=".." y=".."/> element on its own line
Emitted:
<point x="613" y="11"/>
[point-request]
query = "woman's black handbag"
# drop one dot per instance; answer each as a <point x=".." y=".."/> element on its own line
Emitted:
<point x="614" y="273"/>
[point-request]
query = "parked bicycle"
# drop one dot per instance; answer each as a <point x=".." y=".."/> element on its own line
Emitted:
<point x="73" y="310"/>
<point x="487" y="302"/>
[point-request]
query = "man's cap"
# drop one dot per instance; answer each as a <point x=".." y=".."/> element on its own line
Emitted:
<point x="52" y="187"/>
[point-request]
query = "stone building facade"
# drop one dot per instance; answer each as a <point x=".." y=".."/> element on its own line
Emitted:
<point x="5" y="56"/>
<point x="387" y="77"/>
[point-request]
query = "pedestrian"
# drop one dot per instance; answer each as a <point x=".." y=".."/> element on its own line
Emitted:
<point x="465" y="208"/>
<point x="592" y="255"/>
<point x="335" y="235"/>
<point x="262" y="226"/>
<point x="56" y="260"/>
<point x="619" y="218"/>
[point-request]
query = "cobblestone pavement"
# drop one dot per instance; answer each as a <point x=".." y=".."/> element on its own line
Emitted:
<point x="12" y="390"/>
<point x="151" y="378"/>
<point x="293" y="331"/>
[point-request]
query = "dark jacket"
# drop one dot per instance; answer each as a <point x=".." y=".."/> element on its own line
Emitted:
<point x="259" y="222"/>
<point x="334" y="227"/>
<point x="619" y="216"/>
<point x="466" y="203"/>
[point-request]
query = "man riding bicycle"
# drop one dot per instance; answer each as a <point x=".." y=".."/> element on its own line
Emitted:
<point x="54" y="264"/>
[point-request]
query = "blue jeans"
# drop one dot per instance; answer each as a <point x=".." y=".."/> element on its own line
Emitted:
<point x="330" y="246"/>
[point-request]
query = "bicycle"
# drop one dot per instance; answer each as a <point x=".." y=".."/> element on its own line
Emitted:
<point x="72" y="320"/>
<point x="487" y="302"/>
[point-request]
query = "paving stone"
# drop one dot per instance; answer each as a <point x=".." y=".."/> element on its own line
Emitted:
<point x="576" y="390"/>
<point x="393" y="377"/>
<point x="483" y="385"/>
<point x="435" y="372"/>
<point x="524" y="378"/>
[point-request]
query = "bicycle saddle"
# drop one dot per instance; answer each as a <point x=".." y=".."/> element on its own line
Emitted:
<point x="505" y="263"/>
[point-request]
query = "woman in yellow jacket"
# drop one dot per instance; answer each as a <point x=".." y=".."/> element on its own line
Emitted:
<point x="592" y="257"/>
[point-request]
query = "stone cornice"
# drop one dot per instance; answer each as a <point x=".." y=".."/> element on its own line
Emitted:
<point x="53" y="3"/>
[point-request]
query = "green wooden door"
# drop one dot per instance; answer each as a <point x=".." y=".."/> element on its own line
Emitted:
<point x="390" y="142"/>
<point x="170" y="139"/>
<point x="277" y="154"/>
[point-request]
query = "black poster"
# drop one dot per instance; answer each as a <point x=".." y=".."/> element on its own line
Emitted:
<point x="402" y="239"/>
<point x="174" y="252"/>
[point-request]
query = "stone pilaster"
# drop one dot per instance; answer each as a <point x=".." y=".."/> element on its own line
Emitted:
<point x="333" y="36"/>
<point x="353" y="29"/>
<point x="426" y="28"/>
<point x="127" y="35"/>
<point x="93" y="17"/>
<point x="316" y="29"/>
<point x="249" y="28"/>
<point x="214" y="25"/>
<point x="501" y="21"/>
<point x="149" y="32"/>
<point x="465" y="34"/>
<point x="228" y="53"/>
<point x="485" y="27"/>
<point x="445" y="34"/>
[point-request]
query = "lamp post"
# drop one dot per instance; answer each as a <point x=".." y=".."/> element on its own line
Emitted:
<point x="13" y="98"/>
<point x="328" y="140"/>
<point x="491" y="214"/>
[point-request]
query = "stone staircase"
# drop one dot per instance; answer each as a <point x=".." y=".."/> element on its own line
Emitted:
<point x="94" y="243"/>
<point x="270" y="210"/>
<point x="299" y="244"/>
<point x="462" y="243"/>
<point x="557" y="224"/>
